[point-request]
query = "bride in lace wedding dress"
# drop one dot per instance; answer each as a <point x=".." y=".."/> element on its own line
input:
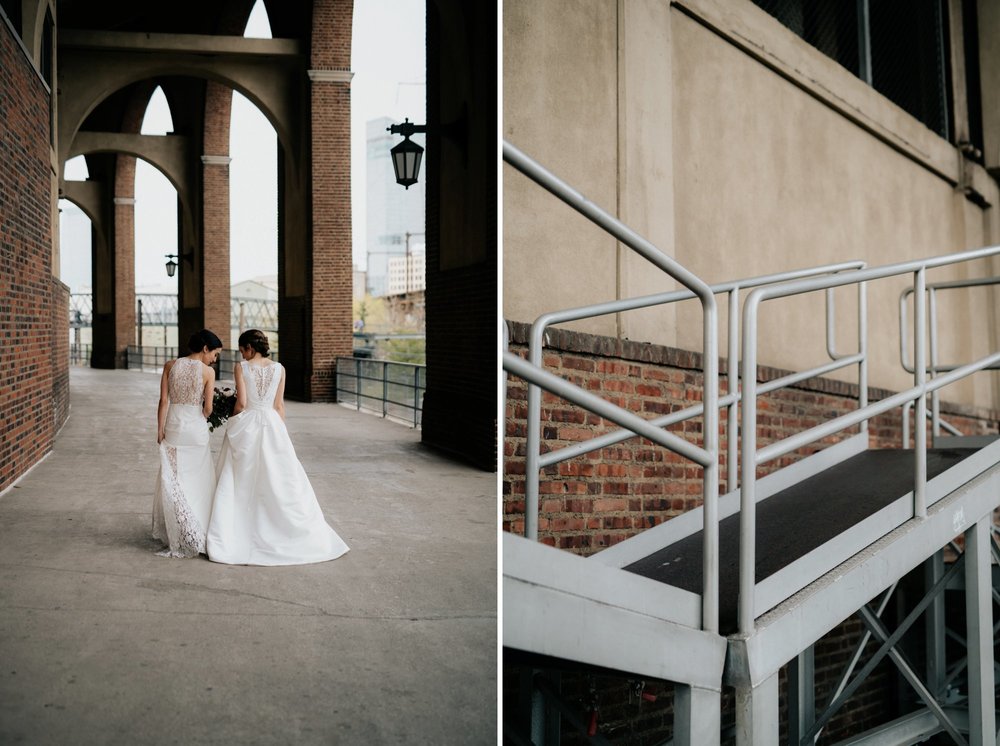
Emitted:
<point x="265" y="511"/>
<point x="182" y="503"/>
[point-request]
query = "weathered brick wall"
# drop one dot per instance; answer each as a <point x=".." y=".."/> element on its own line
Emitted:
<point x="594" y="501"/>
<point x="33" y="384"/>
<point x="215" y="211"/>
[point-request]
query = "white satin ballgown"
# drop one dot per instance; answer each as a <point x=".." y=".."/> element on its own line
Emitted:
<point x="182" y="503"/>
<point x="265" y="511"/>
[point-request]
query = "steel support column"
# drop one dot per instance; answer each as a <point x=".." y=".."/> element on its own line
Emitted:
<point x="697" y="715"/>
<point x="979" y="635"/>
<point x="935" y="627"/>
<point x="757" y="713"/>
<point x="801" y="695"/>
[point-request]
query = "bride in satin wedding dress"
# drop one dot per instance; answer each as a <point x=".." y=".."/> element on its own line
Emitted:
<point x="182" y="503"/>
<point x="265" y="511"/>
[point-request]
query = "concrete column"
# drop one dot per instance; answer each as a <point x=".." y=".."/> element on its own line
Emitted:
<point x="979" y="633"/>
<point x="697" y="715"/>
<point x="757" y="713"/>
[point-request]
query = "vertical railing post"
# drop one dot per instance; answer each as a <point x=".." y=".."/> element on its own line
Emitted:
<point x="932" y="329"/>
<point x="385" y="387"/>
<point x="748" y="468"/>
<point x="416" y="393"/>
<point x="863" y="349"/>
<point x="920" y="380"/>
<point x="710" y="484"/>
<point x="533" y="436"/>
<point x="733" y="365"/>
<point x="357" y="382"/>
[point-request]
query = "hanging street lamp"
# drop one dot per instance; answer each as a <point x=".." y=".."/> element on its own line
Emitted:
<point x="406" y="156"/>
<point x="172" y="265"/>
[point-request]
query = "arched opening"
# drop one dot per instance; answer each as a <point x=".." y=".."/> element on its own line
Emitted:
<point x="76" y="267"/>
<point x="253" y="220"/>
<point x="258" y="24"/>
<point x="388" y="221"/>
<point x="155" y="237"/>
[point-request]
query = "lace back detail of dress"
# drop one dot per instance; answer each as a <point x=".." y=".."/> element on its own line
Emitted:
<point x="185" y="382"/>
<point x="262" y="378"/>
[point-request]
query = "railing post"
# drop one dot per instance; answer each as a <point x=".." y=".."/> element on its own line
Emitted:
<point x="748" y="468"/>
<point x="533" y="436"/>
<point x="357" y="382"/>
<point x="710" y="484"/>
<point x="733" y="364"/>
<point x="932" y="328"/>
<point x="385" y="387"/>
<point x="863" y="349"/>
<point x="416" y="393"/>
<point x="920" y="380"/>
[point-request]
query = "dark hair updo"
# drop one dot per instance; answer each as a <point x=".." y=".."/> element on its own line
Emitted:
<point x="201" y="340"/>
<point x="255" y="339"/>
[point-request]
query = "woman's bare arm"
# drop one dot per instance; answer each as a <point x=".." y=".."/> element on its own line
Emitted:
<point x="161" y="409"/>
<point x="279" y="396"/>
<point x="241" y="392"/>
<point x="208" y="375"/>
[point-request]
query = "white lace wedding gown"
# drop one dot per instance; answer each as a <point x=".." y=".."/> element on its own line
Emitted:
<point x="182" y="503"/>
<point x="265" y="511"/>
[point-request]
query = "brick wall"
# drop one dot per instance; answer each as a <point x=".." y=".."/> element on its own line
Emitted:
<point x="332" y="278"/>
<point x="215" y="212"/>
<point x="34" y="387"/>
<point x="599" y="499"/>
<point x="591" y="502"/>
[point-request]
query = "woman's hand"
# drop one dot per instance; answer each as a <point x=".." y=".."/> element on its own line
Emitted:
<point x="160" y="435"/>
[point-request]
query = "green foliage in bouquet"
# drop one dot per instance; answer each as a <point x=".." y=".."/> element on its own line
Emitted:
<point x="223" y="401"/>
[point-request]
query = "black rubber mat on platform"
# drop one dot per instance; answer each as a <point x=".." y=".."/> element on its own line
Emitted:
<point x="792" y="523"/>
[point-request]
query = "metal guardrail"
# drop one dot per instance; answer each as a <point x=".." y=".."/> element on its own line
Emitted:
<point x="391" y="389"/>
<point x="154" y="358"/>
<point x="768" y="287"/>
<point x="141" y="358"/>
<point x="79" y="354"/>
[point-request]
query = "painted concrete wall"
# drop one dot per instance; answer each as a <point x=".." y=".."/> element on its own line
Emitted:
<point x="739" y="150"/>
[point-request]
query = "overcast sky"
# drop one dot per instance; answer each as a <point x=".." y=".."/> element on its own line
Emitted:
<point x="388" y="63"/>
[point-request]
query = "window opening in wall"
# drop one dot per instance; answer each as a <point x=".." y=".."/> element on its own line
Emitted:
<point x="12" y="9"/>
<point x="973" y="91"/>
<point x="897" y="46"/>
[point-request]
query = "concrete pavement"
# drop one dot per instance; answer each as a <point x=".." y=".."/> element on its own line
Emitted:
<point x="102" y="642"/>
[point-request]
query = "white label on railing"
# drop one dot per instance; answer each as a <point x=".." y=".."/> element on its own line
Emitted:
<point x="958" y="520"/>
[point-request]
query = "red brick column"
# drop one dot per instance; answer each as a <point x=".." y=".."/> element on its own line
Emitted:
<point x="215" y="211"/>
<point x="124" y="259"/>
<point x="331" y="282"/>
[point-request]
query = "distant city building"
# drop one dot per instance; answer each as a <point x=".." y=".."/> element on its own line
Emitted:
<point x="395" y="215"/>
<point x="359" y="285"/>
<point x="406" y="273"/>
<point x="259" y="288"/>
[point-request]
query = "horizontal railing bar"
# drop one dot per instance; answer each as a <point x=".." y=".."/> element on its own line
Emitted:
<point x="789" y="380"/>
<point x="797" y="287"/>
<point x="644" y="301"/>
<point x="550" y="382"/>
<point x="831" y="427"/>
<point x="612" y="438"/>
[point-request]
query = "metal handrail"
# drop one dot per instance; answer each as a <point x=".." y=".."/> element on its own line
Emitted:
<point x="752" y="456"/>
<point x="732" y="288"/>
<point x="934" y="368"/>
<point x="710" y="359"/>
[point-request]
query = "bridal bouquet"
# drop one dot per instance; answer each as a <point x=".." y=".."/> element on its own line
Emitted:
<point x="223" y="401"/>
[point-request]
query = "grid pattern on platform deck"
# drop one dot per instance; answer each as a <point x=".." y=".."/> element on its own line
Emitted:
<point x="795" y="521"/>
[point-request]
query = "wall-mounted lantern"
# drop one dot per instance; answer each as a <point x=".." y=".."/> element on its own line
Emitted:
<point x="406" y="156"/>
<point x="172" y="265"/>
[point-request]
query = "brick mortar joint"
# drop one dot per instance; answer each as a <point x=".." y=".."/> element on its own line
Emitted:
<point x="564" y="340"/>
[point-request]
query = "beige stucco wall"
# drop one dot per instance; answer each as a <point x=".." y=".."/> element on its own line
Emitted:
<point x="740" y="151"/>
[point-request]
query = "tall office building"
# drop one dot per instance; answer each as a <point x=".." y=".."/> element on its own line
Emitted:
<point x="393" y="212"/>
